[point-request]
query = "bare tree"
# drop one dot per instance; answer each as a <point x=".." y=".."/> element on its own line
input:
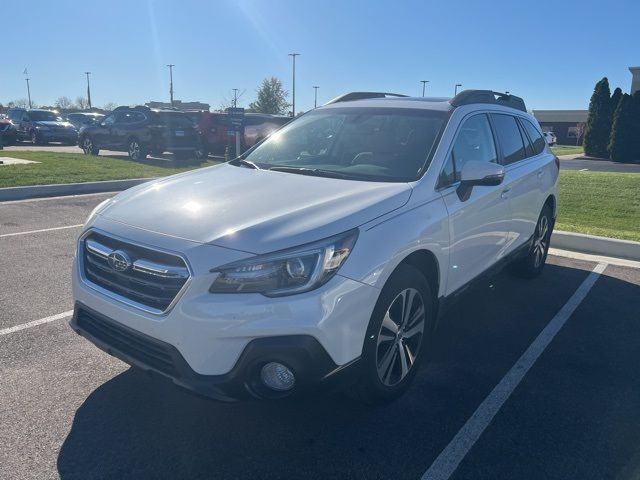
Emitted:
<point x="19" y="103"/>
<point x="231" y="100"/>
<point x="82" y="103"/>
<point x="109" y="106"/>
<point x="64" y="103"/>
<point x="579" y="132"/>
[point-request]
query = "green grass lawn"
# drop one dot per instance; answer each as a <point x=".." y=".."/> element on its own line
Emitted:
<point x="76" y="167"/>
<point x="567" y="150"/>
<point x="597" y="203"/>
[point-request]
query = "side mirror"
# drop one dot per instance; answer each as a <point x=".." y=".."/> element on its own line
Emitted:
<point x="476" y="173"/>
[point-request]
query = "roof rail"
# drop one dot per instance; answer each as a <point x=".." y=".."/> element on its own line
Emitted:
<point x="131" y="107"/>
<point x="467" y="97"/>
<point x="347" y="97"/>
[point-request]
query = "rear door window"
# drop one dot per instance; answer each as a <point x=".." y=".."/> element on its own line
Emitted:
<point x="509" y="136"/>
<point x="534" y="135"/>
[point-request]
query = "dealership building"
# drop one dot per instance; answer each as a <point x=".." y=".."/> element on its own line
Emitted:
<point x="566" y="124"/>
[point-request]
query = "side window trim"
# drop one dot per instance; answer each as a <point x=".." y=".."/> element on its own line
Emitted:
<point x="521" y="120"/>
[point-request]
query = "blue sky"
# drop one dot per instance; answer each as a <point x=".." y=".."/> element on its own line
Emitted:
<point x="551" y="53"/>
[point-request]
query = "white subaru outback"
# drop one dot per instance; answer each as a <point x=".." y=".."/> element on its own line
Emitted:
<point x="324" y="254"/>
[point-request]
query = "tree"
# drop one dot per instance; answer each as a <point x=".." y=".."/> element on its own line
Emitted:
<point x="109" y="106"/>
<point x="272" y="98"/>
<point x="579" y="132"/>
<point x="82" y="103"/>
<point x="621" y="144"/>
<point x="615" y="99"/>
<point x="598" y="129"/>
<point x="19" y="103"/>
<point x="64" y="103"/>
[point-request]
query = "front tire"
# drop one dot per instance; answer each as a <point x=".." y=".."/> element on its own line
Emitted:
<point x="136" y="150"/>
<point x="402" y="318"/>
<point x="531" y="266"/>
<point x="35" y="138"/>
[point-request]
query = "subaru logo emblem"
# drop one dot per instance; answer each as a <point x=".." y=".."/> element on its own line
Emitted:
<point x="119" y="260"/>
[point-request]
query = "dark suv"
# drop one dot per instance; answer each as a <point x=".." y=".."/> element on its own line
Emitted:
<point x="42" y="126"/>
<point x="140" y="131"/>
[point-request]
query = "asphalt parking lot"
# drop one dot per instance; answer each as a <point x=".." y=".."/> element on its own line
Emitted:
<point x="524" y="379"/>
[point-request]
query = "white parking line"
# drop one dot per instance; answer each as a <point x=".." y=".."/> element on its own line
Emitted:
<point x="35" y="323"/>
<point x="39" y="231"/>
<point x="449" y="459"/>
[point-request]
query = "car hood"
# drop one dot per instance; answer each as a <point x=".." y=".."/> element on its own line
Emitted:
<point x="255" y="211"/>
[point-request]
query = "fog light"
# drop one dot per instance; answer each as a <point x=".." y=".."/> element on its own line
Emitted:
<point x="277" y="377"/>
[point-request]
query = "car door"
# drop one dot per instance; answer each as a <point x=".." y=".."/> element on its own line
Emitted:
<point x="478" y="225"/>
<point x="102" y="134"/>
<point x="523" y="176"/>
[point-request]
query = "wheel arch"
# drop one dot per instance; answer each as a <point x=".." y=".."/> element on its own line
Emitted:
<point x="427" y="263"/>
<point x="551" y="201"/>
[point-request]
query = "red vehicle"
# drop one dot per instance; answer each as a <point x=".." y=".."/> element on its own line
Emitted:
<point x="213" y="127"/>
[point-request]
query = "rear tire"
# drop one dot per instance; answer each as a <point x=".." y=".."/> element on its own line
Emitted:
<point x="88" y="147"/>
<point x="393" y="348"/>
<point x="136" y="150"/>
<point x="531" y="266"/>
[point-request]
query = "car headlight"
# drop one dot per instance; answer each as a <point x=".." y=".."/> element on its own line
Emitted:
<point x="295" y="270"/>
<point x="97" y="210"/>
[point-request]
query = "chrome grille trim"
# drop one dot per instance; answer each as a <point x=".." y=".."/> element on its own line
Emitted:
<point x="168" y="281"/>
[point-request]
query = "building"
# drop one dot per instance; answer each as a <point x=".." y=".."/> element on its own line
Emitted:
<point x="180" y="105"/>
<point x="567" y="124"/>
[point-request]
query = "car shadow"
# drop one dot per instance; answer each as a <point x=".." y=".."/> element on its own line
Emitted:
<point x="139" y="426"/>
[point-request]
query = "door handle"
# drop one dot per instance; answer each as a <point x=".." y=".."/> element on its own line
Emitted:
<point x="540" y="173"/>
<point x="505" y="193"/>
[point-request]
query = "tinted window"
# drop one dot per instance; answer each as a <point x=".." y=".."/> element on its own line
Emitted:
<point x="535" y="136"/>
<point x="509" y="137"/>
<point x="44" y="116"/>
<point x="473" y="142"/>
<point x="528" y="147"/>
<point x="110" y="120"/>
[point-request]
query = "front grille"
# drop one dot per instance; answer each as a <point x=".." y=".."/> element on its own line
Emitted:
<point x="145" y="276"/>
<point x="146" y="350"/>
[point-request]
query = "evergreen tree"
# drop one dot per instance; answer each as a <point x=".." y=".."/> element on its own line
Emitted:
<point x="622" y="140"/>
<point x="615" y="100"/>
<point x="272" y="98"/>
<point x="598" y="129"/>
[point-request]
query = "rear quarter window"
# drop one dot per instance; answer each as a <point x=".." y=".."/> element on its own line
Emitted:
<point x="535" y="136"/>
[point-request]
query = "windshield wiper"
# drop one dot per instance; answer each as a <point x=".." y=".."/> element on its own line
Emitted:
<point x="244" y="163"/>
<point x="317" y="172"/>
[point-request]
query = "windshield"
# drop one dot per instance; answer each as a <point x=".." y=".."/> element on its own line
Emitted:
<point x="380" y="144"/>
<point x="39" y="116"/>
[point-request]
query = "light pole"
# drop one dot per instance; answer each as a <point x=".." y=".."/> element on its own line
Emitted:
<point x="424" y="84"/>
<point x="28" y="91"/>
<point x="171" y="65"/>
<point x="315" y="96"/>
<point x="88" y="89"/>
<point x="293" y="105"/>
<point x="455" y="92"/>
<point x="235" y="97"/>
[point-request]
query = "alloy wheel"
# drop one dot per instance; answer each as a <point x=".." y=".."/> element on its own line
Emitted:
<point x="134" y="150"/>
<point x="541" y="241"/>
<point x="400" y="336"/>
<point x="87" y="146"/>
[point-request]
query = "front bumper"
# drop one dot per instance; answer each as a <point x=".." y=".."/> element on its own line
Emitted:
<point x="303" y="354"/>
<point x="212" y="333"/>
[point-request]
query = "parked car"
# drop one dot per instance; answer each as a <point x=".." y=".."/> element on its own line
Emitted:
<point x="327" y="253"/>
<point x="140" y="131"/>
<point x="213" y="128"/>
<point x="80" y="119"/>
<point x="42" y="126"/>
<point x="550" y="138"/>
<point x="8" y="132"/>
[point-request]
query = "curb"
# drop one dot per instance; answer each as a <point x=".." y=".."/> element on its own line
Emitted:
<point x="59" y="190"/>
<point x="610" y="247"/>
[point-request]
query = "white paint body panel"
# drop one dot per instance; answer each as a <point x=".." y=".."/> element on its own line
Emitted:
<point x="222" y="214"/>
